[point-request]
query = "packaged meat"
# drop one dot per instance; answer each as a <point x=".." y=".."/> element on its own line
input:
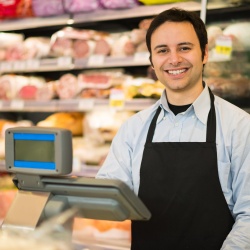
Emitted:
<point x="102" y="125"/>
<point x="28" y="92"/>
<point x="48" y="7"/>
<point x="235" y="87"/>
<point x="28" y="88"/>
<point x="10" y="39"/>
<point x="79" y="43"/>
<point x="7" y="87"/>
<point x="16" y="9"/>
<point x="83" y="48"/>
<point x="47" y="91"/>
<point x="74" y="6"/>
<point x="101" y="79"/>
<point x="95" y="93"/>
<point x="103" y="44"/>
<point x="123" y="46"/>
<point x="237" y="65"/>
<point x="36" y="47"/>
<point x="117" y="4"/>
<point x="15" y="52"/>
<point x="67" y="86"/>
<point x="94" y="80"/>
<point x="138" y="36"/>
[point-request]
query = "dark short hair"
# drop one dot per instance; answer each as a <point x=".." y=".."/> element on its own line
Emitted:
<point x="179" y="15"/>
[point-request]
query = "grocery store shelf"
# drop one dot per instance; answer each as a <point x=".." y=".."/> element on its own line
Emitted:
<point x="71" y="105"/>
<point x="33" y="22"/>
<point x="140" y="11"/>
<point x="103" y="15"/>
<point x="68" y="63"/>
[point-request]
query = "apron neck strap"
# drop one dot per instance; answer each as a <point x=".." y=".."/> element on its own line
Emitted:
<point x="211" y="120"/>
<point x="151" y="130"/>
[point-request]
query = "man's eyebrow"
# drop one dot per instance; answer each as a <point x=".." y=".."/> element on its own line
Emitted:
<point x="179" y="44"/>
<point x="160" y="46"/>
<point x="186" y="43"/>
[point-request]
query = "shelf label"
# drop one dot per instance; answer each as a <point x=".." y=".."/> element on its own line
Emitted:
<point x="6" y="66"/>
<point x="117" y="98"/>
<point x="19" y="65"/>
<point x="141" y="56"/>
<point x="96" y="60"/>
<point x="86" y="104"/>
<point x="64" y="61"/>
<point x="17" y="104"/>
<point x="33" y="64"/>
<point x="223" y="47"/>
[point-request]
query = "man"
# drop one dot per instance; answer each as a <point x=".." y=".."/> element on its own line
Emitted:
<point x="187" y="156"/>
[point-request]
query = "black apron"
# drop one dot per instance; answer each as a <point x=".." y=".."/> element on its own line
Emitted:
<point x="179" y="183"/>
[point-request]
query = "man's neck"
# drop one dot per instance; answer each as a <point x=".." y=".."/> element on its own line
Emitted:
<point x="181" y="98"/>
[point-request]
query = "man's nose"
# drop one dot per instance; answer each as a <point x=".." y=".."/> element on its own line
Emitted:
<point x="174" y="58"/>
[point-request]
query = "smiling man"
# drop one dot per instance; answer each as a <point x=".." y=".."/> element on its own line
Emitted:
<point x="187" y="156"/>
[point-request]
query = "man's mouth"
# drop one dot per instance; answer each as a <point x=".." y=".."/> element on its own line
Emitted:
<point x="176" y="72"/>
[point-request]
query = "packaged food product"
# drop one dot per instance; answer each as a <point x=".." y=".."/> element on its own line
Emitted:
<point x="118" y="4"/>
<point x="74" y="6"/>
<point x="48" y="7"/>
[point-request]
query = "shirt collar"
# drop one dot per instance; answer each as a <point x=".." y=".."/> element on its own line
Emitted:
<point x="201" y="105"/>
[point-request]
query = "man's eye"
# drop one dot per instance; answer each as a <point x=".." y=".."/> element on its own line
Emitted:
<point x="185" y="48"/>
<point x="161" y="51"/>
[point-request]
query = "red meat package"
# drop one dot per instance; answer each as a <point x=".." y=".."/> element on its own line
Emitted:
<point x="15" y="9"/>
<point x="80" y="43"/>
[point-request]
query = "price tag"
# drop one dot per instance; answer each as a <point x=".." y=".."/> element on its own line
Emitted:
<point x="6" y="66"/>
<point x="64" y="61"/>
<point x="86" y="104"/>
<point x="17" y="104"/>
<point x="117" y="98"/>
<point x="19" y="65"/>
<point x="141" y="56"/>
<point x="96" y="60"/>
<point x="223" y="47"/>
<point x="33" y="64"/>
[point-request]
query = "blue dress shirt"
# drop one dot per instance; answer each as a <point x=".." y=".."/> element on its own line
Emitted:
<point x="233" y="151"/>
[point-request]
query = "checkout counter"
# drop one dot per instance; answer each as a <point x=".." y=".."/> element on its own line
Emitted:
<point x="40" y="160"/>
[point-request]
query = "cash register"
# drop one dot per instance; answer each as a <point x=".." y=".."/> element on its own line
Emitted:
<point x="40" y="160"/>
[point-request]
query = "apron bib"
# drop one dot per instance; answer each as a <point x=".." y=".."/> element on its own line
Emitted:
<point x="179" y="183"/>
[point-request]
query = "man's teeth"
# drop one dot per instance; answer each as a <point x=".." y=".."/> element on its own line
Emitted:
<point x="176" y="72"/>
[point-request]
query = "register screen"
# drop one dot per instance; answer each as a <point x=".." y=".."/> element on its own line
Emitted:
<point x="34" y="151"/>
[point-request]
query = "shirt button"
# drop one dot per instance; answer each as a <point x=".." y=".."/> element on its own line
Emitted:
<point x="176" y="124"/>
<point x="164" y="117"/>
<point x="193" y="116"/>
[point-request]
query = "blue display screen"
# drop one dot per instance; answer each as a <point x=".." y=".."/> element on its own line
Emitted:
<point x="36" y="151"/>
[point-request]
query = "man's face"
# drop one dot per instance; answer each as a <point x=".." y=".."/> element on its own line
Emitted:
<point x="177" y="58"/>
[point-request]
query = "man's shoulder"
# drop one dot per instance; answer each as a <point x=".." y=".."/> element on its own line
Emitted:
<point x="227" y="109"/>
<point x="145" y="114"/>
